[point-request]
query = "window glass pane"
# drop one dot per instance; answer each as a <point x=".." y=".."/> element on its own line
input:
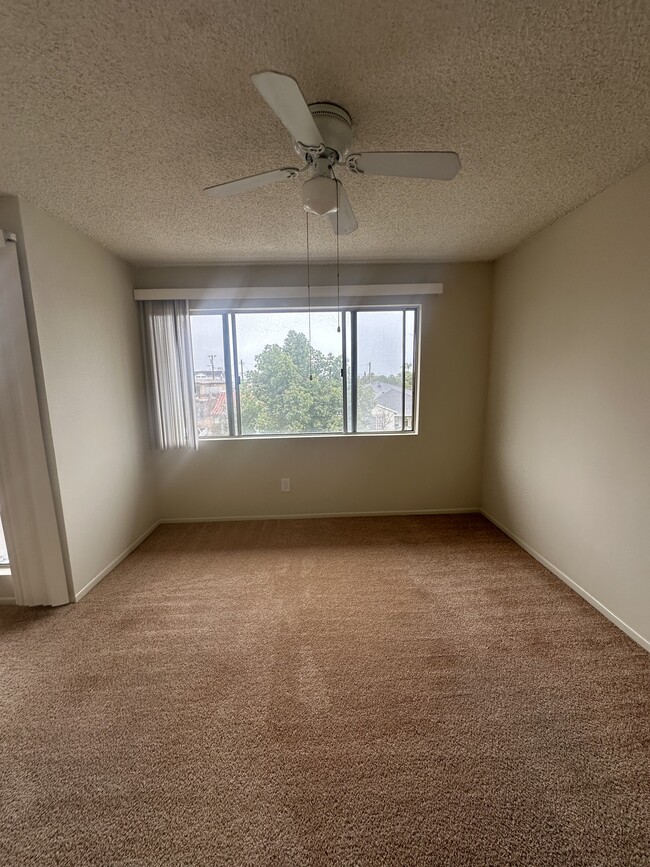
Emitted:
<point x="209" y="375"/>
<point x="277" y="396"/>
<point x="384" y="357"/>
<point x="4" y="556"/>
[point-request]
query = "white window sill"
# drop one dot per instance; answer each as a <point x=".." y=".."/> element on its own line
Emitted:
<point x="314" y="436"/>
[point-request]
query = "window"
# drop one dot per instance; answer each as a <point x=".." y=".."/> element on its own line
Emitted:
<point x="4" y="555"/>
<point x="280" y="373"/>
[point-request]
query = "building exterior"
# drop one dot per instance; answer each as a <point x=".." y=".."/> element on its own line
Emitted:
<point x="387" y="411"/>
<point x="210" y="402"/>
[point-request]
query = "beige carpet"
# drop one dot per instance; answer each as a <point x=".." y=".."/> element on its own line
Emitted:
<point x="398" y="691"/>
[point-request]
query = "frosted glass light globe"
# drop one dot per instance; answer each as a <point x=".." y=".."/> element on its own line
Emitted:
<point x="319" y="195"/>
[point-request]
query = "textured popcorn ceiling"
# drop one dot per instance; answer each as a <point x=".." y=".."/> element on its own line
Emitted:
<point x="116" y="114"/>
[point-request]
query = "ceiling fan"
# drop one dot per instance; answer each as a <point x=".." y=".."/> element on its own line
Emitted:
<point x="322" y="137"/>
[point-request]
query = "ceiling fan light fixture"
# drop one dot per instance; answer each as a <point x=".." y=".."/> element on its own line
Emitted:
<point x="319" y="196"/>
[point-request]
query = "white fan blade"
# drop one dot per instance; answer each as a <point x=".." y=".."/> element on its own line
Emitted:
<point x="438" y="165"/>
<point x="283" y="95"/>
<point x="347" y="222"/>
<point x="233" y="188"/>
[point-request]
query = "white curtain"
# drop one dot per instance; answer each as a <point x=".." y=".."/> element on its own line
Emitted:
<point x="170" y="376"/>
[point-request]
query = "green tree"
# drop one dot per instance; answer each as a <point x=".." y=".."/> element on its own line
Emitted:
<point x="277" y="396"/>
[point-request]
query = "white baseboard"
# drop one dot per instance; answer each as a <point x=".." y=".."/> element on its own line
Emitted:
<point x="633" y="634"/>
<point x="89" y="586"/>
<point x="299" y="516"/>
<point x="7" y="600"/>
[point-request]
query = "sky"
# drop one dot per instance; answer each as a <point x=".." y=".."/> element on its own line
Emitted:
<point x="379" y="337"/>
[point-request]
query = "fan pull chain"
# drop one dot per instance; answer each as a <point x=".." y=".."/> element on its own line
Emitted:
<point x="308" y="296"/>
<point x="338" y="265"/>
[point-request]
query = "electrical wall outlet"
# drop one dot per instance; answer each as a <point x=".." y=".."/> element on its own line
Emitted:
<point x="285" y="485"/>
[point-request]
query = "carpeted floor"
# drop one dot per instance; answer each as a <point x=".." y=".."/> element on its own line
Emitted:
<point x="375" y="691"/>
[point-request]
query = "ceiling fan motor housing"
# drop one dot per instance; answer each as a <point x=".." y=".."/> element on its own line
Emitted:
<point x="335" y="126"/>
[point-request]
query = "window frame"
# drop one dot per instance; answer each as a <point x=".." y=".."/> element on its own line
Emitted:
<point x="349" y="390"/>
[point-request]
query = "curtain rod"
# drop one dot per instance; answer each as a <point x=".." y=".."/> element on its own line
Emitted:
<point x="286" y="292"/>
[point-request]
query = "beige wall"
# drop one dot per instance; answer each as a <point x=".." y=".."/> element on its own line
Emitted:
<point x="438" y="469"/>
<point x="91" y="390"/>
<point x="567" y="457"/>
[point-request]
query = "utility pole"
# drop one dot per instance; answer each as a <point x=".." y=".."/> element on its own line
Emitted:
<point x="212" y="358"/>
